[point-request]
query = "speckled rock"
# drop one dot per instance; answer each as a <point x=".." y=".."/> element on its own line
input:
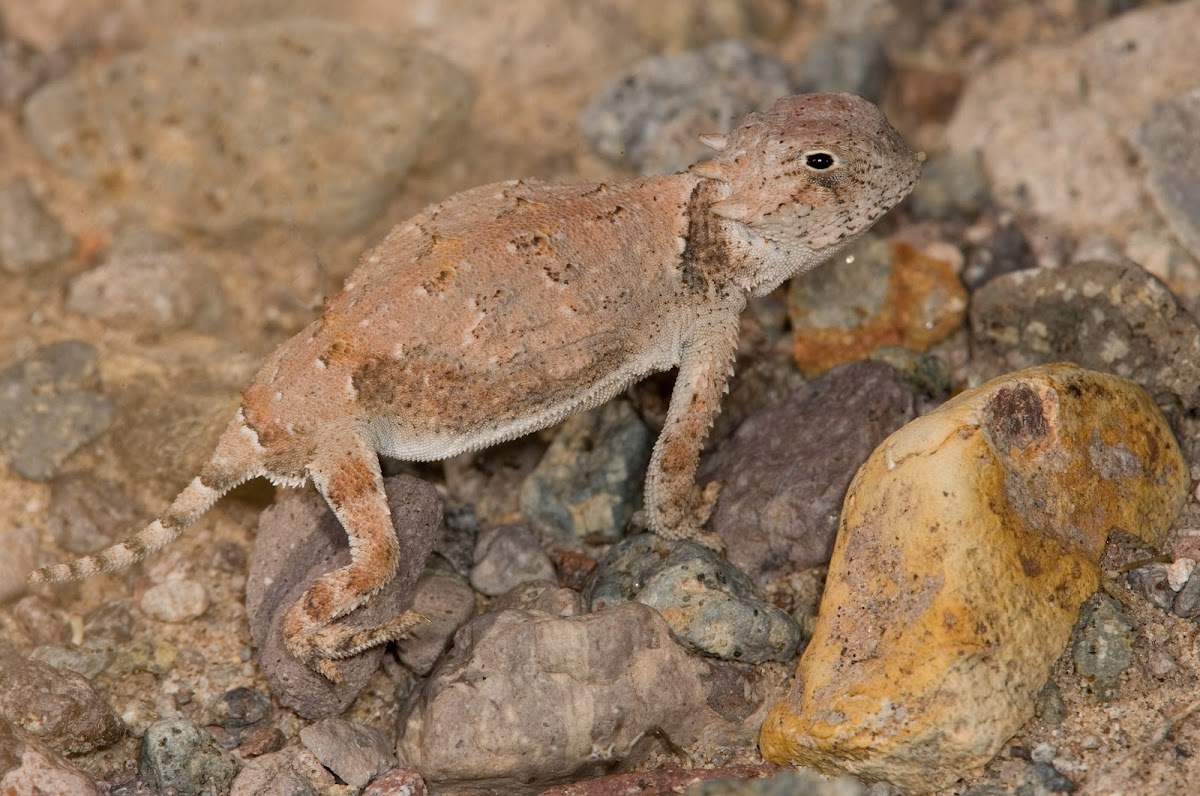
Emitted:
<point x="50" y="406"/>
<point x="785" y="471"/>
<point x="506" y="557"/>
<point x="1103" y="645"/>
<point x="29" y="236"/>
<point x="354" y="752"/>
<point x="153" y="292"/>
<point x="88" y="513"/>
<point x="176" y="601"/>
<point x="649" y="117"/>
<point x="20" y="546"/>
<point x="710" y="605"/>
<point x="542" y="596"/>
<point x="525" y="699"/>
<point x="58" y="707"/>
<point x="446" y="601"/>
<point x="298" y="540"/>
<point x="31" y="768"/>
<point x="968" y="542"/>
<point x="1029" y="105"/>
<point x="155" y="124"/>
<point x="1114" y="318"/>
<point x="1166" y="142"/>
<point x="590" y="479"/>
<point x="872" y="295"/>
<point x="397" y="782"/>
<point x="175" y="753"/>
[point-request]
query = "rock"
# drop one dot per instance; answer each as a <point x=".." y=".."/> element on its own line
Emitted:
<point x="1103" y="647"/>
<point x="447" y="602"/>
<point x="397" y="782"/>
<point x="43" y="621"/>
<point x="175" y="753"/>
<point x="175" y="601"/>
<point x="758" y="384"/>
<point x="85" y="661"/>
<point x="968" y="542"/>
<point x="872" y="295"/>
<point x="50" y="406"/>
<point x="1165" y="140"/>
<point x="354" y="752"/>
<point x="846" y="60"/>
<point x="22" y="69"/>
<point x="785" y="471"/>
<point x="88" y="513"/>
<point x="541" y="596"/>
<point x="1179" y="572"/>
<point x="31" y="768"/>
<point x="148" y="293"/>
<point x="525" y="699"/>
<point x="660" y="781"/>
<point x="296" y="121"/>
<point x="271" y="775"/>
<point x="109" y="624"/>
<point x="256" y="741"/>
<point x="1001" y="249"/>
<point x="1029" y="106"/>
<point x="650" y="116"/>
<point x="953" y="185"/>
<point x="239" y="708"/>
<point x="20" y="546"/>
<point x="1150" y="581"/>
<point x="784" y="783"/>
<point x="1050" y="707"/>
<point x="29" y="236"/>
<point x="1114" y="318"/>
<point x="506" y="557"/>
<point x="590" y="478"/>
<point x="709" y="605"/>
<point x="298" y="540"/>
<point x="59" y="708"/>
<point x="1187" y="602"/>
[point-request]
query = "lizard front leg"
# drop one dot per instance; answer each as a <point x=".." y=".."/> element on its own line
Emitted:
<point x="676" y="508"/>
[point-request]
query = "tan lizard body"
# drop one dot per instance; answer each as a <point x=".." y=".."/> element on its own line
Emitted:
<point x="506" y="308"/>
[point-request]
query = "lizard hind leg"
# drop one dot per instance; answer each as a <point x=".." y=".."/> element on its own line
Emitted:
<point x="346" y="472"/>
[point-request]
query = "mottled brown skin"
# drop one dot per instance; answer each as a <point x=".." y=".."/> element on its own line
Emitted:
<point x="506" y="308"/>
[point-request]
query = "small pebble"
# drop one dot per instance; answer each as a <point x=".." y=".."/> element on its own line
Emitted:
<point x="1179" y="572"/>
<point x="1103" y="645"/>
<point x="29" y="236"/>
<point x="175" y="753"/>
<point x="1043" y="753"/>
<point x="109" y="624"/>
<point x="397" y="782"/>
<point x="240" y="708"/>
<point x="1187" y="601"/>
<point x="175" y="601"/>
<point x="57" y="706"/>
<point x="148" y="293"/>
<point x="508" y="556"/>
<point x="261" y="741"/>
<point x="354" y="752"/>
<point x="86" y="661"/>
<point x="1150" y="581"/>
<point x="43" y="621"/>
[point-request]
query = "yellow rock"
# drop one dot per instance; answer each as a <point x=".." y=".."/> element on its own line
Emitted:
<point x="967" y="543"/>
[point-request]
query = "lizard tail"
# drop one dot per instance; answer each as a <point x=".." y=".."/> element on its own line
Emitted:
<point x="237" y="459"/>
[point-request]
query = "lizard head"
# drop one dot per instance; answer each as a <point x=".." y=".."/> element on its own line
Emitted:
<point x="812" y="173"/>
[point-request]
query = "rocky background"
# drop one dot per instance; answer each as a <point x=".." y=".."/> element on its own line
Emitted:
<point x="182" y="183"/>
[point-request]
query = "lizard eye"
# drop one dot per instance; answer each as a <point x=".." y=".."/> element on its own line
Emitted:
<point x="819" y="161"/>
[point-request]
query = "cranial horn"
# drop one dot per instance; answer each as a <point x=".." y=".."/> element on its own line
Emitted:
<point x="714" y="140"/>
<point x="711" y="170"/>
<point x="732" y="210"/>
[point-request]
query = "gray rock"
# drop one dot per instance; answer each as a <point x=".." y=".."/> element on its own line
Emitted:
<point x="86" y="661"/>
<point x="29" y="236"/>
<point x="525" y="698"/>
<point x="1112" y="318"/>
<point x="299" y="539"/>
<point x="50" y="406"/>
<point x="354" y="752"/>
<point x="1050" y="706"/>
<point x="785" y="783"/>
<point x="239" y="708"/>
<point x="175" y="753"/>
<point x="88" y="513"/>
<point x="846" y="60"/>
<point x="506" y="557"/>
<point x="1150" y="581"/>
<point x="843" y="296"/>
<point x="650" y="116"/>
<point x="148" y="293"/>
<point x="109" y="624"/>
<point x="31" y="768"/>
<point x="1051" y="780"/>
<point x="1002" y="250"/>
<point x="446" y="601"/>
<point x="271" y="775"/>
<point x="177" y="601"/>
<point x="953" y="185"/>
<point x="1166" y="142"/>
<point x="785" y="472"/>
<point x="20" y="546"/>
<point x="1187" y="601"/>
<point x="709" y="605"/>
<point x="59" y="707"/>
<point x="297" y="121"/>
<point x="1102" y="647"/>
<point x="590" y="479"/>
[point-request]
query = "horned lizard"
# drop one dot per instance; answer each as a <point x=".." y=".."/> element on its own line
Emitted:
<point x="506" y="308"/>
